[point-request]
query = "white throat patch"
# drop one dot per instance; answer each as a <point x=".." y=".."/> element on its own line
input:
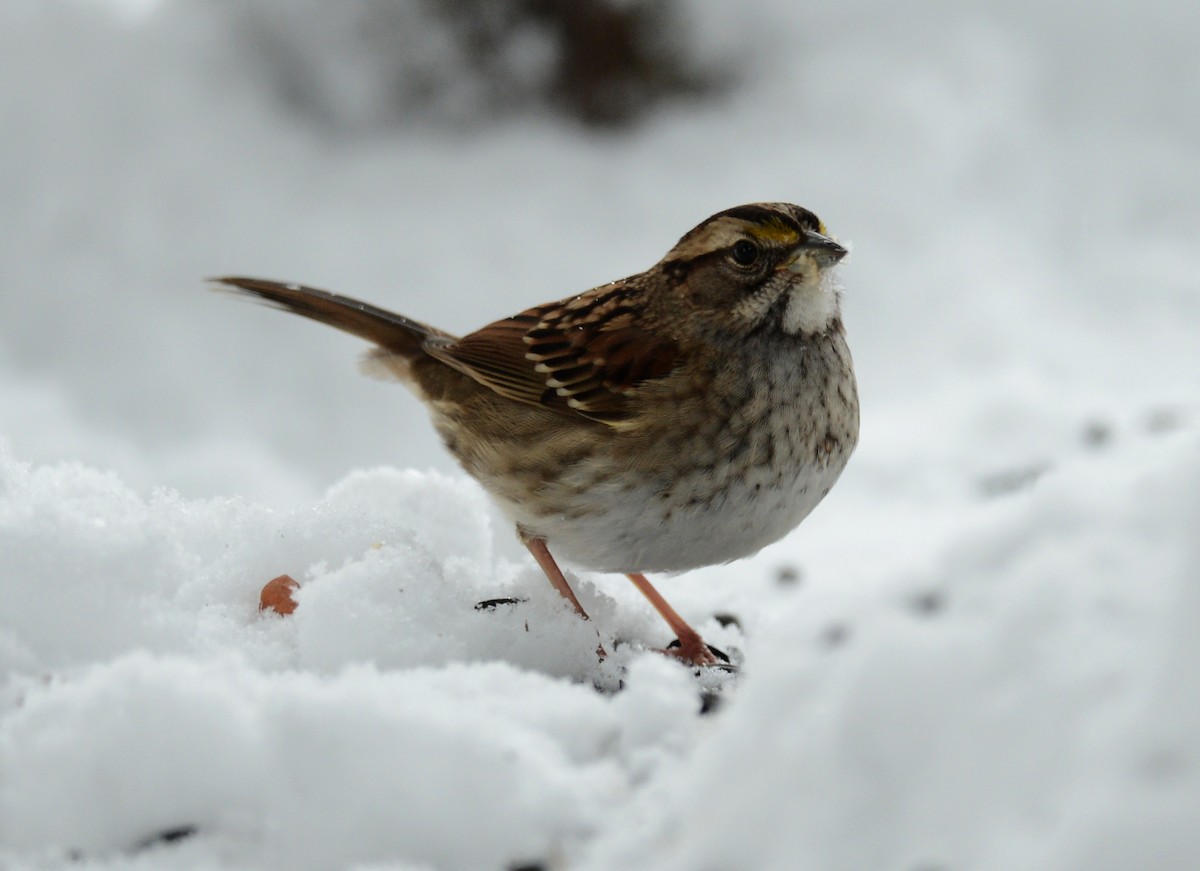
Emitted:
<point x="813" y="304"/>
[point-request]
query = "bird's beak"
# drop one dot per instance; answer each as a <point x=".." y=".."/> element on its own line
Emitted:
<point x="825" y="249"/>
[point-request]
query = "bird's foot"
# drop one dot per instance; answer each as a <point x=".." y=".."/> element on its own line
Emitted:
<point x="693" y="651"/>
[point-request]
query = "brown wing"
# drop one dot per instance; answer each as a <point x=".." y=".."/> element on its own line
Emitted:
<point x="585" y="356"/>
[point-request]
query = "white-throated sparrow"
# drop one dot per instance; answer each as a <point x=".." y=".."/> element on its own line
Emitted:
<point x="682" y="417"/>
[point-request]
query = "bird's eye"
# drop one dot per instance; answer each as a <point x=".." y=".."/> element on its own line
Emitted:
<point x="745" y="253"/>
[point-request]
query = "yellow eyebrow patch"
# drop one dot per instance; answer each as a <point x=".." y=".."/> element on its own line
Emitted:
<point x="774" y="231"/>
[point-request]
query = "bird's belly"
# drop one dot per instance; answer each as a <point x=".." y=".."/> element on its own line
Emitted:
<point x="701" y="520"/>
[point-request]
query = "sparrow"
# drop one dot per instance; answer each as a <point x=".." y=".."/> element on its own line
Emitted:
<point x="685" y="416"/>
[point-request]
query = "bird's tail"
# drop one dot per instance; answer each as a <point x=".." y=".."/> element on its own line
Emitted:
<point x="392" y="332"/>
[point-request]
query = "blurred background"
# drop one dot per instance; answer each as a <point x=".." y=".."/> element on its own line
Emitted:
<point x="1020" y="182"/>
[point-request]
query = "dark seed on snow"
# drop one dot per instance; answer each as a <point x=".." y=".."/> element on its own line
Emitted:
<point x="491" y="604"/>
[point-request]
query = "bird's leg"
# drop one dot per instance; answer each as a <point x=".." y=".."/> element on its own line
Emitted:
<point x="692" y="648"/>
<point x="541" y="553"/>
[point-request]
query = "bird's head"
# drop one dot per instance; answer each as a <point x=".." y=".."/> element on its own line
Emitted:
<point x="758" y="266"/>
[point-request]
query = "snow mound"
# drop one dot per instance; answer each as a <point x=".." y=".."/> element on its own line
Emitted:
<point x="391" y="565"/>
<point x="1028" y="700"/>
<point x="147" y="694"/>
<point x="1035" y="706"/>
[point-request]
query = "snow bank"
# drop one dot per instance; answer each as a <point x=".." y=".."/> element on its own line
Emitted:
<point x="1028" y="701"/>
<point x="1037" y="707"/>
<point x="388" y="717"/>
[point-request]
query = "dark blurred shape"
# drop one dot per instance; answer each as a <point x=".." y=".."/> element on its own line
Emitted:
<point x="929" y="603"/>
<point x="362" y="64"/>
<point x="834" y="635"/>
<point x="1097" y="434"/>
<point x="1163" y="766"/>
<point x="727" y="620"/>
<point x="1163" y="420"/>
<point x="166" y="836"/>
<point x="710" y="702"/>
<point x="616" y="59"/>
<point x="788" y="575"/>
<point x="1012" y="480"/>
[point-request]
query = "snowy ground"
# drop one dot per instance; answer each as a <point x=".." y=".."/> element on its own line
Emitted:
<point x="982" y="652"/>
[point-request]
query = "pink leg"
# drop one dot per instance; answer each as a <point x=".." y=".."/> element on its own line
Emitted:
<point x="691" y="646"/>
<point x="541" y="553"/>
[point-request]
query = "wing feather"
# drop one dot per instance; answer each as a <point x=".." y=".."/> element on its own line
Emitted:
<point x="584" y="357"/>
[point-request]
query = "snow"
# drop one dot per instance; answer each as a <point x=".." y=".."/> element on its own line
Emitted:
<point x="1040" y="717"/>
<point x="979" y="653"/>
